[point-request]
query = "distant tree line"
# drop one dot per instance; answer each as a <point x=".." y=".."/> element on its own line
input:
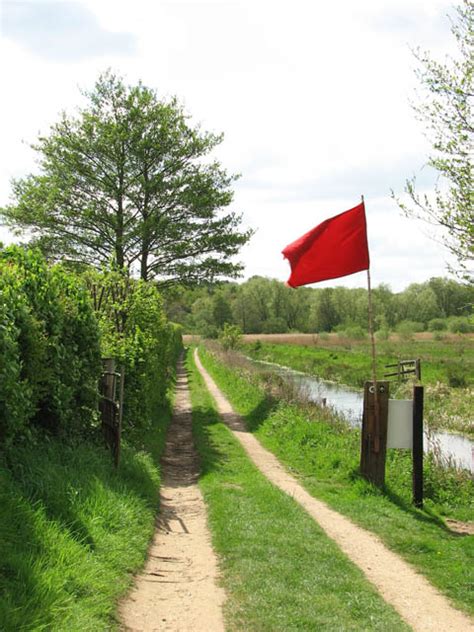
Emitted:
<point x="263" y="305"/>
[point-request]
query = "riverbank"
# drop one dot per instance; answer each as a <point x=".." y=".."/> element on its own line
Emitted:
<point x="447" y="372"/>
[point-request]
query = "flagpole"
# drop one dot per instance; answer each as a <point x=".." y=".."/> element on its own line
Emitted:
<point x="374" y="361"/>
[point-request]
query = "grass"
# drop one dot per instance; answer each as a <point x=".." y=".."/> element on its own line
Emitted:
<point x="73" y="529"/>
<point x="442" y="361"/>
<point x="280" y="571"/>
<point x="325" y="454"/>
<point x="350" y="362"/>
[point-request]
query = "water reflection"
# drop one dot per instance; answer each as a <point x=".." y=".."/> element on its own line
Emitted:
<point x="453" y="448"/>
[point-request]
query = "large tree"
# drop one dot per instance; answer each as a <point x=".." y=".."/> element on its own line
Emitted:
<point x="446" y="112"/>
<point x="126" y="181"/>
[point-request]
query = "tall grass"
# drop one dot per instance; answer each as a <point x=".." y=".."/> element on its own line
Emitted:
<point x="73" y="529"/>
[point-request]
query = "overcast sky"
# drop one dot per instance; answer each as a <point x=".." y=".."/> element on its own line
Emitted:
<point x="313" y="99"/>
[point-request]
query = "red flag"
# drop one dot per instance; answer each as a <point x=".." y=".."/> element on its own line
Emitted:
<point x="334" y="248"/>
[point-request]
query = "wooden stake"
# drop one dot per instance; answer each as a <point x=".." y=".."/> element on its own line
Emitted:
<point x="418" y="446"/>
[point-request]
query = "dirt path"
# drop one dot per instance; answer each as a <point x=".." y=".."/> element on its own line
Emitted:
<point x="417" y="602"/>
<point x="177" y="590"/>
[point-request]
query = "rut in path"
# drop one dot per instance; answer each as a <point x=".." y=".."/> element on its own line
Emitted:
<point x="414" y="598"/>
<point x="177" y="590"/>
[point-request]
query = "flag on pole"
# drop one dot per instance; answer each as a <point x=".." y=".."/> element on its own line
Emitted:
<point x="335" y="248"/>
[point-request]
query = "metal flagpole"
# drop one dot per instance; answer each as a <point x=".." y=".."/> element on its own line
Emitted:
<point x="374" y="363"/>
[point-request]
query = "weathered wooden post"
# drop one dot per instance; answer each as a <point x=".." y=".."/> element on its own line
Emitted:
<point x="374" y="432"/>
<point x="111" y="412"/>
<point x="108" y="378"/>
<point x="418" y="396"/>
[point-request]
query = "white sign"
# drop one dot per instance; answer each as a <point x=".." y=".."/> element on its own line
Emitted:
<point x="400" y="424"/>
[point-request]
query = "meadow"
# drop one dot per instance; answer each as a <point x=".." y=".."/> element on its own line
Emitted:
<point x="447" y="367"/>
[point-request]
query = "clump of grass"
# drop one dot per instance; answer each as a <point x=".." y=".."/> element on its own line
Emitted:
<point x="72" y="529"/>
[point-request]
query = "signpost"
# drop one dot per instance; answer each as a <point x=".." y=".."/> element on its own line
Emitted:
<point x="391" y="423"/>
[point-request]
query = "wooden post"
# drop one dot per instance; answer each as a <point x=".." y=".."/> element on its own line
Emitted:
<point x="108" y="379"/>
<point x="418" y="369"/>
<point x="418" y="446"/>
<point x="120" y="415"/>
<point x="374" y="432"/>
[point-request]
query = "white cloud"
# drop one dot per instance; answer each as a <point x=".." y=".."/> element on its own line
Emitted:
<point x="313" y="99"/>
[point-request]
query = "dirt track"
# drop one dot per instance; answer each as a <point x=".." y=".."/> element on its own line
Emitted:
<point x="417" y="602"/>
<point x="178" y="590"/>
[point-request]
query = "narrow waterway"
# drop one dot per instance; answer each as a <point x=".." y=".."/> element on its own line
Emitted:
<point x="348" y="402"/>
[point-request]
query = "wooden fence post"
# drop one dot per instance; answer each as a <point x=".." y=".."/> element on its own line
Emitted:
<point x="110" y="410"/>
<point x="418" y="446"/>
<point x="374" y="433"/>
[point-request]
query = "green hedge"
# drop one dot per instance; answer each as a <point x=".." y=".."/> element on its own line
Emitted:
<point x="49" y="347"/>
<point x="53" y="334"/>
<point x="136" y="332"/>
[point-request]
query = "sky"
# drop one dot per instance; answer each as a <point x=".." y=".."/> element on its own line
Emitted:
<point x="313" y="99"/>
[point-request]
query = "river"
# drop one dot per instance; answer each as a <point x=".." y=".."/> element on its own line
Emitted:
<point x="348" y="402"/>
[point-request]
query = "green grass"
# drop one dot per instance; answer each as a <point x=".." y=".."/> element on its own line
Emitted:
<point x="279" y="570"/>
<point x="325" y="456"/>
<point x="445" y="407"/>
<point x="72" y="529"/>
<point x="351" y="363"/>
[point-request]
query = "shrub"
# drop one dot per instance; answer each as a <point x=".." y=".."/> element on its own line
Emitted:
<point x="50" y="341"/>
<point x="356" y="332"/>
<point x="457" y="375"/>
<point x="438" y="324"/>
<point x="136" y="333"/>
<point x="230" y="336"/>
<point x="382" y="334"/>
<point x="460" y="325"/>
<point x="406" y="328"/>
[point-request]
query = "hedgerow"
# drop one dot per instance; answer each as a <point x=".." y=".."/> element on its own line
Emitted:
<point x="49" y="338"/>
<point x="54" y="327"/>
<point x="136" y="333"/>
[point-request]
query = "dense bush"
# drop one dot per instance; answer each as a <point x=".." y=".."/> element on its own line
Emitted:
<point x="136" y="333"/>
<point x="438" y="324"/>
<point x="460" y="325"/>
<point x="50" y="348"/>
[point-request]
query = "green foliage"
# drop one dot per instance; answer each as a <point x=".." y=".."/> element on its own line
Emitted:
<point x="230" y="337"/>
<point x="262" y="305"/>
<point x="446" y="111"/>
<point x="406" y="329"/>
<point x="126" y="182"/>
<point x="355" y="332"/>
<point x="461" y="325"/>
<point x="50" y="340"/>
<point x="457" y="375"/>
<point x="135" y="331"/>
<point x="437" y="324"/>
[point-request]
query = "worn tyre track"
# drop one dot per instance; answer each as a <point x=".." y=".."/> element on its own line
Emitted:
<point x="414" y="598"/>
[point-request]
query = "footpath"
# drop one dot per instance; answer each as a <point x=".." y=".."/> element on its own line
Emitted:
<point x="178" y="589"/>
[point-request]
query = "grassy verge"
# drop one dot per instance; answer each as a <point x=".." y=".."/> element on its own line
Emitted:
<point x="280" y="571"/>
<point x="72" y="529"/>
<point x="443" y="363"/>
<point x="325" y="455"/>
